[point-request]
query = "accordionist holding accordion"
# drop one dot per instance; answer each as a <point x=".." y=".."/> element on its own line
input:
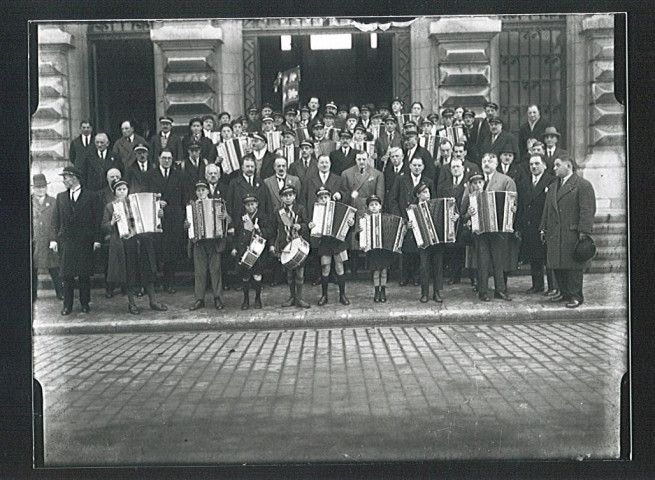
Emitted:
<point x="489" y="203"/>
<point x="433" y="224"/>
<point x="208" y="225"/>
<point x="330" y="227"/>
<point x="130" y="220"/>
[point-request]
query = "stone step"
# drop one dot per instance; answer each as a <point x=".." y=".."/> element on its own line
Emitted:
<point x="609" y="228"/>
<point x="611" y="218"/>
<point x="611" y="253"/>
<point x="610" y="240"/>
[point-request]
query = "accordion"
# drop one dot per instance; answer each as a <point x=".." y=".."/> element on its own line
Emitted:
<point x="138" y="214"/>
<point x="382" y="230"/>
<point x="453" y="134"/>
<point x="332" y="133"/>
<point x="273" y="140"/>
<point x="232" y="151"/>
<point x="253" y="251"/>
<point x="428" y="142"/>
<point x="331" y="219"/>
<point x="207" y="219"/>
<point x="433" y="221"/>
<point x="375" y="130"/>
<point x="494" y="211"/>
<point x="302" y="134"/>
<point x="289" y="153"/>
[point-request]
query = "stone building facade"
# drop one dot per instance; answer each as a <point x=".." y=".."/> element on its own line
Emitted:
<point x="563" y="62"/>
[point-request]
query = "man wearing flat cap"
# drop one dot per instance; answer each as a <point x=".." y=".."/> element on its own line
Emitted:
<point x="568" y="217"/>
<point x="388" y="139"/>
<point x="165" y="139"/>
<point x="193" y="166"/>
<point x="397" y="106"/>
<point x="75" y="235"/>
<point x="305" y="162"/>
<point x="344" y="157"/>
<point x="533" y="128"/>
<point x="483" y="134"/>
<point x="43" y="207"/>
<point x="322" y="145"/>
<point x="137" y="174"/>
<point x="264" y="158"/>
<point x="500" y="139"/>
<point x="414" y="150"/>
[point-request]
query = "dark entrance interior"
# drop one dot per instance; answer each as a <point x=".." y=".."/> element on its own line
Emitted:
<point x="359" y="75"/>
<point x="123" y="76"/>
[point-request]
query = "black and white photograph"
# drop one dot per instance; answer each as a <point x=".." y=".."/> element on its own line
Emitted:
<point x="329" y="239"/>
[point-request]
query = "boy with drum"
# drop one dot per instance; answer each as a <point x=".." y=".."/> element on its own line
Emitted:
<point x="246" y="227"/>
<point x="329" y="248"/>
<point x="291" y="232"/>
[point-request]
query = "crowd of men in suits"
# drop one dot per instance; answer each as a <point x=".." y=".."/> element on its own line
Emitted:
<point x="354" y="154"/>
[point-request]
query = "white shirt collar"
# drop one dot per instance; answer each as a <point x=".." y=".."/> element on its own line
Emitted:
<point x="537" y="177"/>
<point x="566" y="179"/>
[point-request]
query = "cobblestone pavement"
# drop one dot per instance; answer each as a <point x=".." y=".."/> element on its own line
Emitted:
<point x="605" y="297"/>
<point x="502" y="390"/>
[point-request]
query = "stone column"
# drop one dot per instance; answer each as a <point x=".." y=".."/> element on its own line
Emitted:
<point x="187" y="69"/>
<point x="465" y="52"/>
<point x="604" y="163"/>
<point x="51" y="122"/>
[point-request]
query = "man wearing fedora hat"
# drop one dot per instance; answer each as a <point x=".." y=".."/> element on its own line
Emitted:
<point x="567" y="217"/>
<point x="75" y="235"/>
<point x="43" y="207"/>
<point x="501" y="141"/>
<point x="551" y="138"/>
<point x="533" y="128"/>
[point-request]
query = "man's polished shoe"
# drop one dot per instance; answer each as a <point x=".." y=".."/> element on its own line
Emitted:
<point x="159" y="307"/>
<point x="402" y="283"/>
<point x="66" y="311"/>
<point x="246" y="304"/>
<point x="437" y="298"/>
<point x="484" y="297"/>
<point x="454" y="281"/>
<point x="258" y="303"/>
<point x="417" y="283"/>
<point x="170" y="290"/>
<point x="133" y="309"/>
<point x="322" y="301"/>
<point x="534" y="290"/>
<point x="226" y="287"/>
<point x="557" y="298"/>
<point x="317" y="281"/>
<point x="573" y="304"/>
<point x="274" y="283"/>
<point x="344" y="300"/>
<point x="109" y="294"/>
<point x="302" y="304"/>
<point x="290" y="302"/>
<point x="218" y="304"/>
<point x="85" y="309"/>
<point x="424" y="299"/>
<point x="502" y="296"/>
<point x="197" y="304"/>
<point x="551" y="293"/>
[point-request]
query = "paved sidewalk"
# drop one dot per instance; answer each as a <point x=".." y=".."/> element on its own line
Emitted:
<point x="474" y="391"/>
<point x="606" y="297"/>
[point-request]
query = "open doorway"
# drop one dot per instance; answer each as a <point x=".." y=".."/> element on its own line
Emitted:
<point x="123" y="85"/>
<point x="360" y="71"/>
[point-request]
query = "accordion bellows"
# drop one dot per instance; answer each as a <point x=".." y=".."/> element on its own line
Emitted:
<point x="433" y="221"/>
<point x="494" y="211"/>
<point x="207" y="219"/>
<point x="138" y="214"/>
<point x="382" y="230"/>
<point x="331" y="219"/>
<point x="232" y="151"/>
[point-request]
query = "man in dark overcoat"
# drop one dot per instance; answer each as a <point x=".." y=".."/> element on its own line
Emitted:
<point x="170" y="183"/>
<point x="532" y="197"/>
<point x="75" y="234"/>
<point x="567" y="217"/>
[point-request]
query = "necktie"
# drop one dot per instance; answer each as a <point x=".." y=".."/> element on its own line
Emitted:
<point x="84" y="141"/>
<point x="280" y="182"/>
<point x="455" y="181"/>
<point x="534" y="181"/>
<point x="250" y="181"/>
<point x="486" y="181"/>
<point x="73" y="196"/>
<point x="306" y="163"/>
<point x="361" y="171"/>
<point x="165" y="172"/>
<point x="143" y="167"/>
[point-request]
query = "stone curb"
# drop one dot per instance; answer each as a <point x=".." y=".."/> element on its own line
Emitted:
<point x="355" y="318"/>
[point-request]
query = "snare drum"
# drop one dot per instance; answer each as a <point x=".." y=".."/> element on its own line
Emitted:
<point x="253" y="252"/>
<point x="295" y="253"/>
